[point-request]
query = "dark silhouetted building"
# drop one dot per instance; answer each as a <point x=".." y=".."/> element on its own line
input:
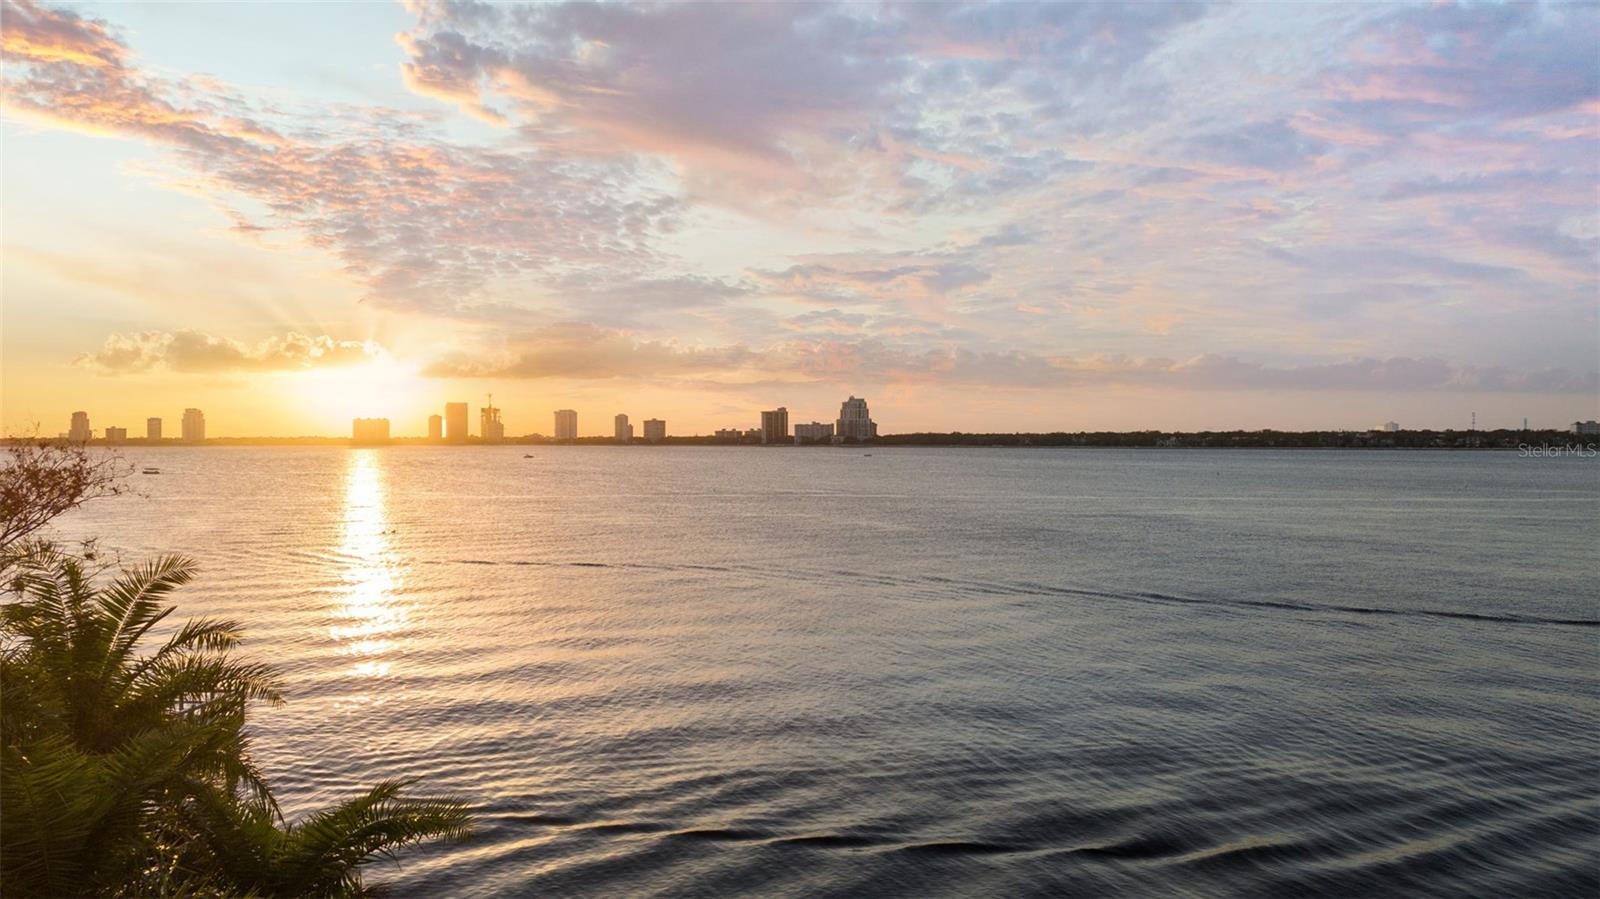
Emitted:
<point x="435" y="427"/>
<point x="624" y="430"/>
<point x="775" y="425"/>
<point x="194" y="426"/>
<point x="489" y="425"/>
<point x="370" y="430"/>
<point x="566" y="424"/>
<point x="116" y="435"/>
<point x="152" y="429"/>
<point x="813" y="432"/>
<point x="80" y="432"/>
<point x="655" y="429"/>
<point x="854" y="423"/>
<point x="455" y="422"/>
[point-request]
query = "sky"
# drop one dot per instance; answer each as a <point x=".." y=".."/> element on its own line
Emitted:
<point x="979" y="217"/>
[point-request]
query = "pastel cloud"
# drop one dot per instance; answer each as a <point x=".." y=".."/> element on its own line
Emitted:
<point x="50" y="35"/>
<point x="1451" y="62"/>
<point x="912" y="279"/>
<point x="837" y="100"/>
<point x="1010" y="194"/>
<point x="422" y="222"/>
<point x="581" y="351"/>
<point x="578" y="350"/>
<point x="194" y="352"/>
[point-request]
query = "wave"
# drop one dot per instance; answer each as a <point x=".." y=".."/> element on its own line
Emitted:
<point x="949" y="586"/>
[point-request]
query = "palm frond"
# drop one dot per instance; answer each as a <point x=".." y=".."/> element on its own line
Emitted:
<point x="323" y="853"/>
<point x="197" y="634"/>
<point x="196" y="679"/>
<point x="131" y="604"/>
<point x="49" y="792"/>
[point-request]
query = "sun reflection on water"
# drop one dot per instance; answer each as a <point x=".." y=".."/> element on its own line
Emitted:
<point x="370" y="615"/>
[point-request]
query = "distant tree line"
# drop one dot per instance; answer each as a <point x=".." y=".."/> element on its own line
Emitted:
<point x="1421" y="439"/>
<point x="1502" y="438"/>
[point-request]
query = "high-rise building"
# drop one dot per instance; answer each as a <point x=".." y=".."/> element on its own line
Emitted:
<point x="854" y="422"/>
<point x="812" y="432"/>
<point x="116" y="435"/>
<point x="624" y="430"/>
<point x="566" y="424"/>
<point x="655" y="429"/>
<point x="370" y="430"/>
<point x="1586" y="428"/>
<point x="194" y="426"/>
<point x="775" y="425"/>
<point x="455" y="422"/>
<point x="80" y="431"/>
<point x="152" y="429"/>
<point x="435" y="427"/>
<point x="489" y="424"/>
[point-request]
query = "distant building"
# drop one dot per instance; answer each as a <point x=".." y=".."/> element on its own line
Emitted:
<point x="624" y="430"/>
<point x="854" y="422"/>
<point x="813" y="432"/>
<point x="655" y="429"/>
<point x="490" y="426"/>
<point x="775" y="425"/>
<point x="194" y="426"/>
<point x="455" y="422"/>
<point x="731" y="435"/>
<point x="116" y="435"/>
<point x="566" y="424"/>
<point x="80" y="431"/>
<point x="1388" y="427"/>
<point x="753" y="434"/>
<point x="369" y="430"/>
<point x="435" y="427"/>
<point x="152" y="429"/>
<point x="1586" y="428"/>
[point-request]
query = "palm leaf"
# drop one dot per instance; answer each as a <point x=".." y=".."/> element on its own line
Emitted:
<point x="48" y="790"/>
<point x="131" y="605"/>
<point x="322" y="854"/>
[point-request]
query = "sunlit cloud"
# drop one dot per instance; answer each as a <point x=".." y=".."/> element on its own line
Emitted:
<point x="580" y="351"/>
<point x="575" y="350"/>
<point x="194" y="352"/>
<point x="1012" y="195"/>
<point x="423" y="223"/>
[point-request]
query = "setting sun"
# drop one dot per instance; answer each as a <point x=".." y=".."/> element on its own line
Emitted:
<point x="384" y="387"/>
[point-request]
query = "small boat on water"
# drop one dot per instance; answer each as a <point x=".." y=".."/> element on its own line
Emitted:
<point x="527" y="455"/>
<point x="152" y="470"/>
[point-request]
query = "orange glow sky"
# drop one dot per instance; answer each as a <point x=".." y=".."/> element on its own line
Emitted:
<point x="1006" y="217"/>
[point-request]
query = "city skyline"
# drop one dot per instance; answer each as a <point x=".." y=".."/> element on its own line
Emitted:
<point x="853" y="426"/>
<point x="854" y="423"/>
<point x="1008" y="217"/>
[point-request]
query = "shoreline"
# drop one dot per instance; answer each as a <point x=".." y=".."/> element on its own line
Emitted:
<point x="1548" y="442"/>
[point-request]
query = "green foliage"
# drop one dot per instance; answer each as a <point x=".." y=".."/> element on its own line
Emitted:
<point x="130" y="774"/>
<point x="322" y="854"/>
